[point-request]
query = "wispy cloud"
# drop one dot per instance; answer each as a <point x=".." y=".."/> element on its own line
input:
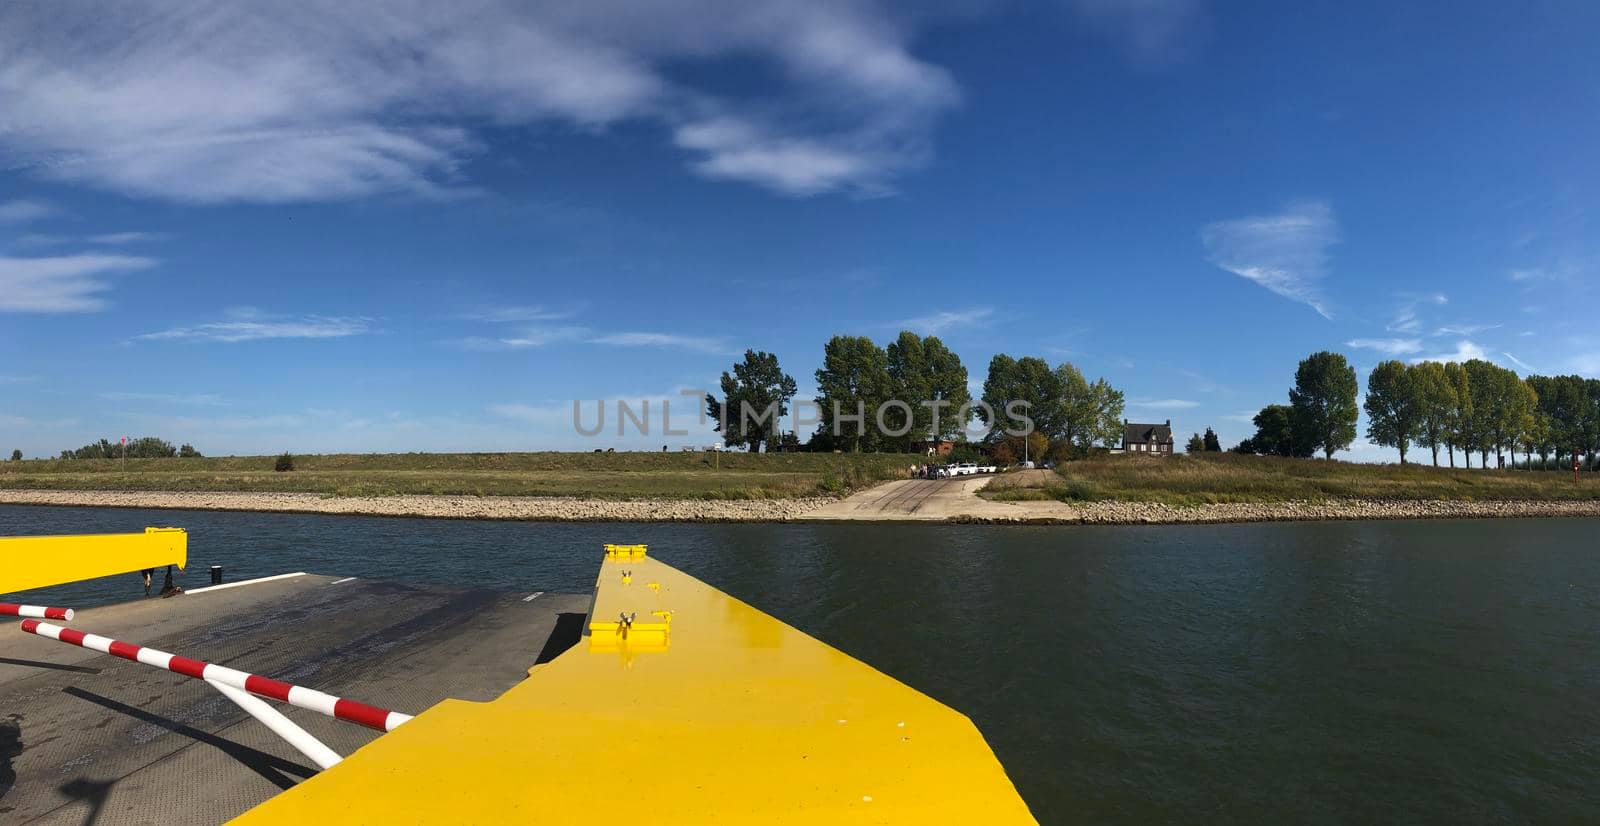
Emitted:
<point x="1406" y="319"/>
<point x="20" y="211"/>
<point x="1247" y="417"/>
<point x="1519" y="362"/>
<point x="334" y="100"/>
<point x="696" y="344"/>
<point x="523" y="339"/>
<point x="1150" y="32"/>
<point x="203" y="399"/>
<point x="1162" y="404"/>
<point x="534" y="337"/>
<point x="942" y="322"/>
<point x="521" y="314"/>
<point x="1465" y="351"/>
<point x="1285" y="253"/>
<point x="1391" y="346"/>
<point x="1465" y="329"/>
<point x="117" y="238"/>
<point x="62" y="284"/>
<point x="238" y="330"/>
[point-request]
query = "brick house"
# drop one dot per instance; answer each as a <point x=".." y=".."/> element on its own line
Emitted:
<point x="1147" y="438"/>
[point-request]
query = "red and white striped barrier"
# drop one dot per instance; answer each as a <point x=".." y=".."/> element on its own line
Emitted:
<point x="311" y="699"/>
<point x="11" y="609"/>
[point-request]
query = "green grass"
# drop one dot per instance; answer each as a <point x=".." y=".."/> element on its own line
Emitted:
<point x="595" y="475"/>
<point x="1226" y="477"/>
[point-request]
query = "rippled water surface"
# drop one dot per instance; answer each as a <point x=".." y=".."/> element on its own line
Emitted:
<point x="1343" y="672"/>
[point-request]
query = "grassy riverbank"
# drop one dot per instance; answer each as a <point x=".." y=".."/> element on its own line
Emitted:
<point x="1229" y="478"/>
<point x="609" y="476"/>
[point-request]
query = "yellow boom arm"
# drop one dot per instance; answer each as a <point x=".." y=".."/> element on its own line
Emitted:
<point x="28" y="562"/>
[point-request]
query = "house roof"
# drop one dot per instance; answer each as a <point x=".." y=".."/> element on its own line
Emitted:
<point x="1137" y="432"/>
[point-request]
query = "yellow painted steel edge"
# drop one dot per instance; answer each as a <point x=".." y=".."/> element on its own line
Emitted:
<point x="28" y="562"/>
<point x="732" y="717"/>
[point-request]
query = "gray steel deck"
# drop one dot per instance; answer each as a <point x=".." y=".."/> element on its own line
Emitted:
<point x="89" y="738"/>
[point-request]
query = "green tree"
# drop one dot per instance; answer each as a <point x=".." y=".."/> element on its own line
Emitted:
<point x="16" y="455"/>
<point x="1195" y="445"/>
<point x="927" y="376"/>
<point x="852" y="382"/>
<point x="1245" y="446"/>
<point x="1084" y="412"/>
<point x="755" y="398"/>
<point x="1018" y="391"/>
<point x="187" y="451"/>
<point x="1211" y="443"/>
<point x="1458" y="421"/>
<point x="1487" y="387"/>
<point x="1394" y="407"/>
<point x="1276" y="434"/>
<point x="1324" y="402"/>
<point x="1436" y="397"/>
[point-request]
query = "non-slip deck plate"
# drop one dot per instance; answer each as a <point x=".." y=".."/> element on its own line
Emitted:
<point x="86" y="736"/>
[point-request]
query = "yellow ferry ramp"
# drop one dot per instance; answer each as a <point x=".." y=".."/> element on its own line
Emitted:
<point x="28" y="562"/>
<point x="683" y="705"/>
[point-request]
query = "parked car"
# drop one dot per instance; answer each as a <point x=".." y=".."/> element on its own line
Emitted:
<point x="1025" y="465"/>
<point x="988" y="469"/>
<point x="1049" y="466"/>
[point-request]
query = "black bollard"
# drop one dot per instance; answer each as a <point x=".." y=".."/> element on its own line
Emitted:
<point x="216" y="574"/>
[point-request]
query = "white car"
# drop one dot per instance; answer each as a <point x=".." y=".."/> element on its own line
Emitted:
<point x="988" y="469"/>
<point x="967" y="469"/>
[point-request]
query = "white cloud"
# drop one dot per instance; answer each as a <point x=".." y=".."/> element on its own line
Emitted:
<point x="1464" y="329"/>
<point x="1151" y="32"/>
<point x="1162" y="404"/>
<point x="1585" y="364"/>
<point x="1465" y="351"/>
<point x="330" y="100"/>
<point x="62" y="284"/>
<point x="695" y="343"/>
<point x="540" y="336"/>
<point x="1405" y="321"/>
<point x="1519" y="362"/>
<point x="526" y="313"/>
<point x="941" y="322"/>
<point x="524" y="339"/>
<point x="1392" y="346"/>
<point x="20" y="211"/>
<point x="114" y="238"/>
<point x="237" y="330"/>
<point x="203" y="399"/>
<point x="1247" y="417"/>
<point x="1285" y="253"/>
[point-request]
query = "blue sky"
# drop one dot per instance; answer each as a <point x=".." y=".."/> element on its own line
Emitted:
<point x="401" y="229"/>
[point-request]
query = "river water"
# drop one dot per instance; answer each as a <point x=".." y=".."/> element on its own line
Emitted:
<point x="1334" y="672"/>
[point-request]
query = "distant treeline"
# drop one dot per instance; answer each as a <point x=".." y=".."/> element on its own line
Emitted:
<point x="1474" y="407"/>
<point x="901" y="397"/>
<point x="144" y="447"/>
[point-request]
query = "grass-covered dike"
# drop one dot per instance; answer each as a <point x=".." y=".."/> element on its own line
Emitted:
<point x="707" y="476"/>
<point x="1220" y="478"/>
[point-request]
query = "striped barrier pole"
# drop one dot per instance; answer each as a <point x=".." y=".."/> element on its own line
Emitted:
<point x="11" y="609"/>
<point x="297" y="696"/>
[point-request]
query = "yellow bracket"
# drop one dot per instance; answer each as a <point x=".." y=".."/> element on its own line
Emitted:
<point x="619" y="553"/>
<point x="28" y="562"/>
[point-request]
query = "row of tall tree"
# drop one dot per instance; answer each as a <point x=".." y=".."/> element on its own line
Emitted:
<point x="893" y="398"/>
<point x="1479" y="407"/>
<point x="1060" y="402"/>
<point x="1468" y="407"/>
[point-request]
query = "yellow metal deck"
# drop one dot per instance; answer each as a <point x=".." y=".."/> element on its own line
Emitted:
<point x="683" y="706"/>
